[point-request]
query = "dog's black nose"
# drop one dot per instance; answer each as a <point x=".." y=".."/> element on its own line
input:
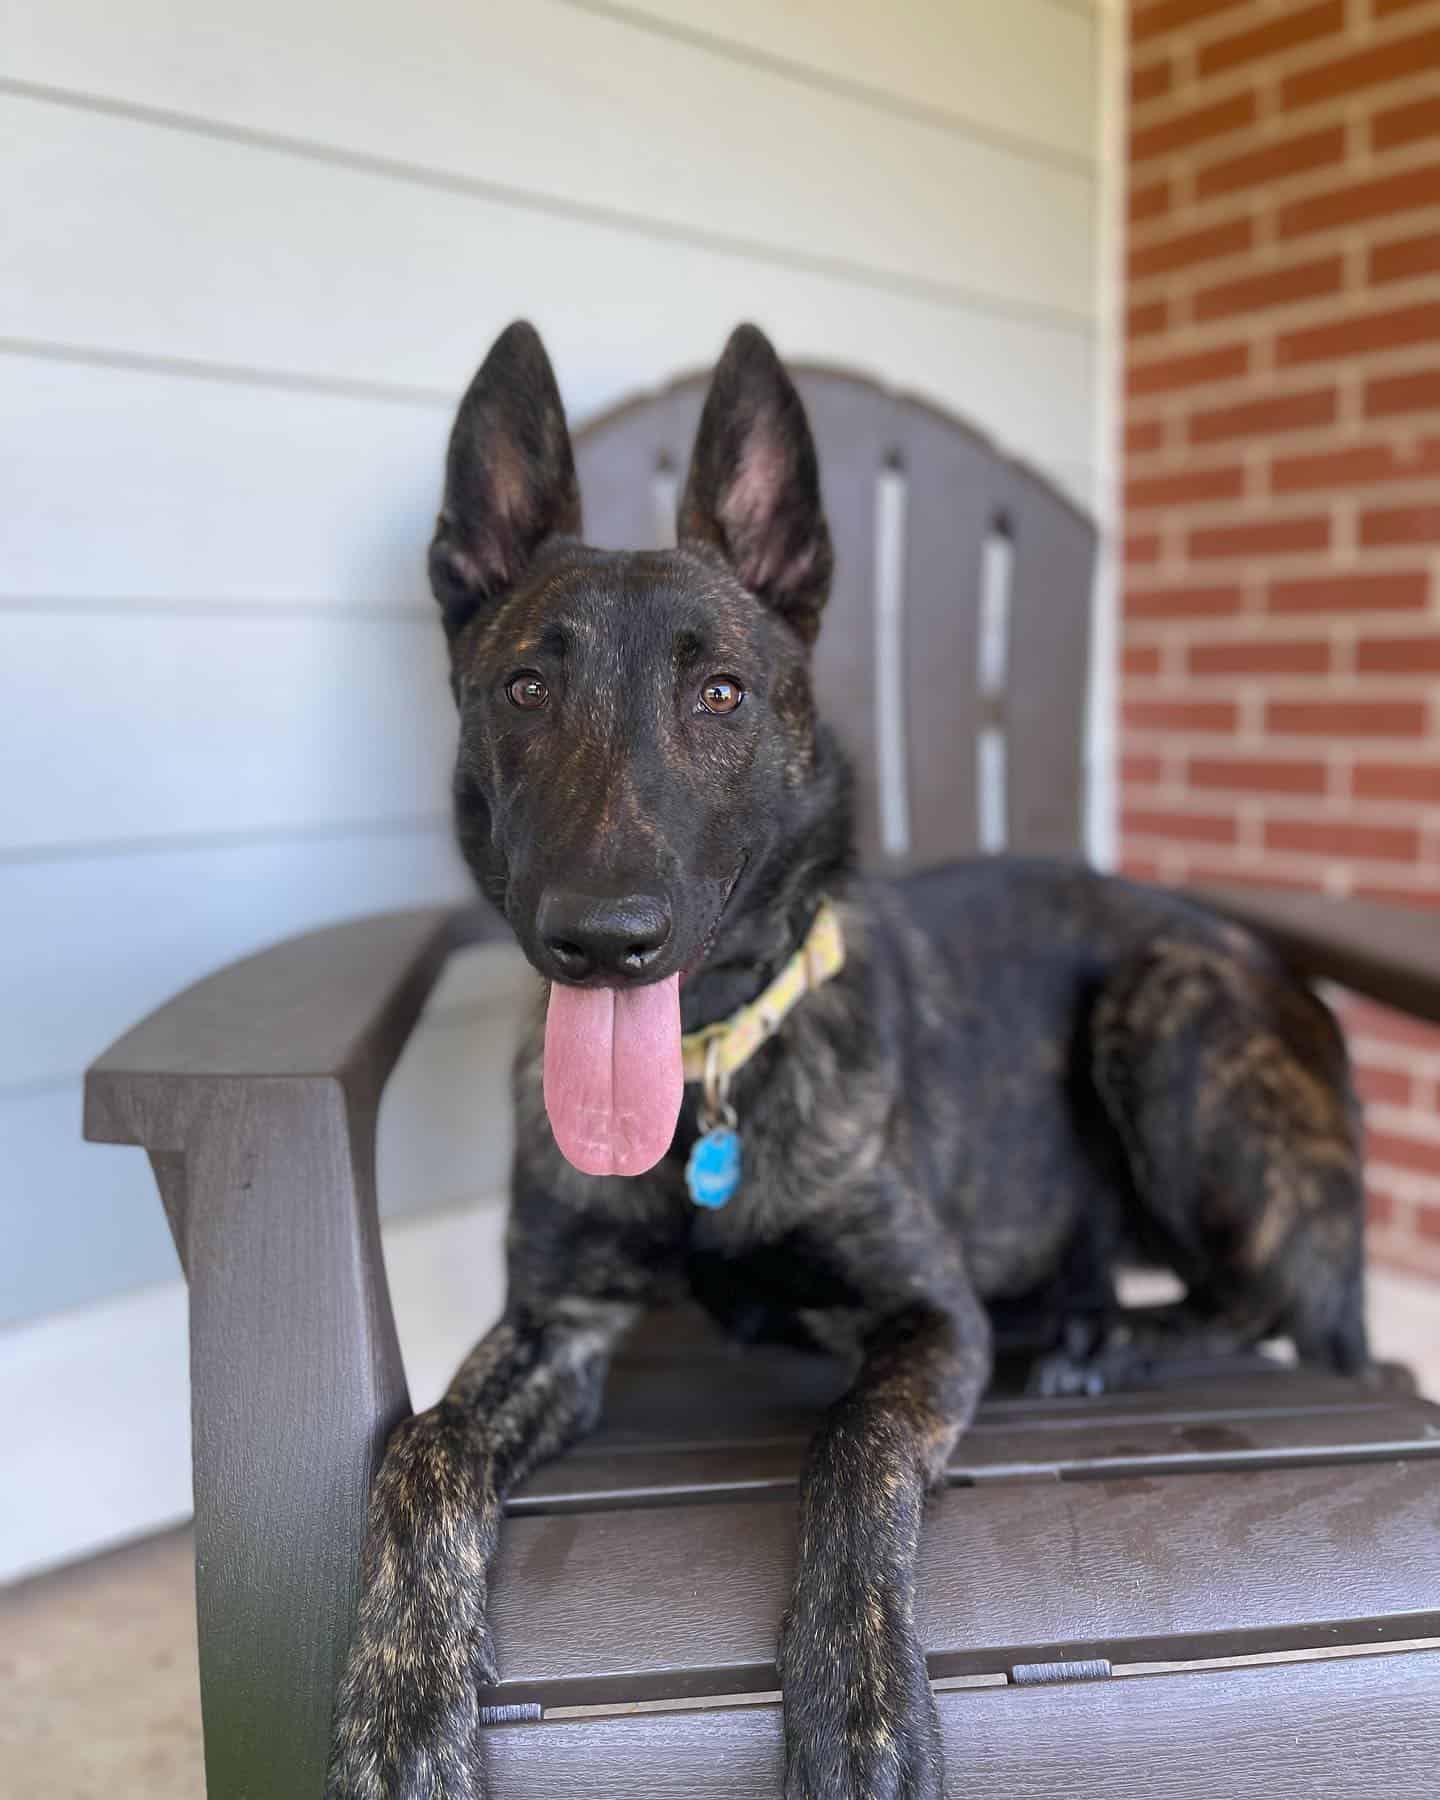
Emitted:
<point x="585" y="934"/>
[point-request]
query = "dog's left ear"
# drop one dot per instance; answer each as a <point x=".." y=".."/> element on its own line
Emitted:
<point x="509" y="478"/>
<point x="753" y="491"/>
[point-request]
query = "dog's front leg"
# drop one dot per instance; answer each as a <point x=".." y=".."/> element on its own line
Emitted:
<point x="406" y="1713"/>
<point x="860" y="1720"/>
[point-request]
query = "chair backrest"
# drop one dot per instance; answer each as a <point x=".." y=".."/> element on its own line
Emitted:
<point x="953" y="655"/>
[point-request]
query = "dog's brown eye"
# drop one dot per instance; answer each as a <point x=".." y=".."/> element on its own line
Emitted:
<point x="721" y="694"/>
<point x="527" y="691"/>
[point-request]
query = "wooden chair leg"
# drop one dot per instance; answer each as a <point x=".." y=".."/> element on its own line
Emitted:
<point x="296" y="1384"/>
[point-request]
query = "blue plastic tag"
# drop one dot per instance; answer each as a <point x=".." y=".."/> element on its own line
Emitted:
<point x="713" y="1171"/>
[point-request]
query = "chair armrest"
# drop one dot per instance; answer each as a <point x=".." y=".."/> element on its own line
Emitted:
<point x="1389" y="953"/>
<point x="256" y="1093"/>
<point x="337" y="1003"/>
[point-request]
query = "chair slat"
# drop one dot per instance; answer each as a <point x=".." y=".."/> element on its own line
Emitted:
<point x="657" y="1602"/>
<point x="955" y="488"/>
<point x="764" y="1401"/>
<point x="1094" y="1446"/>
<point x="1347" y="1728"/>
<point x="1091" y="1444"/>
<point x="768" y="1393"/>
<point x="619" y="457"/>
<point x="855" y="429"/>
<point x="1047" y="676"/>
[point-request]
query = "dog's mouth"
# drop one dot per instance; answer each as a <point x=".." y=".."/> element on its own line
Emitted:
<point x="613" y="1077"/>
<point x="707" y="943"/>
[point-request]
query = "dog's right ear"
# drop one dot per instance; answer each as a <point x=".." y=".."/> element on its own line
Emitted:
<point x="509" y="478"/>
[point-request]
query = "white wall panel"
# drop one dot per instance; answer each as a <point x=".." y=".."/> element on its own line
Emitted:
<point x="336" y="266"/>
<point x="1019" y="68"/>
<point x="123" y="484"/>
<point x="234" y="256"/>
<point x="179" y="914"/>
<point x="591" y="113"/>
<point x="172" y="722"/>
<point x="126" y="484"/>
<point x="78" y="1220"/>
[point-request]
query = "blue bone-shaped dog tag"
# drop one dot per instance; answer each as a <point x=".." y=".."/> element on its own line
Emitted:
<point x="713" y="1171"/>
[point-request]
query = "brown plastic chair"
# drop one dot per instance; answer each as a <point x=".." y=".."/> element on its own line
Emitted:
<point x="1233" y="1514"/>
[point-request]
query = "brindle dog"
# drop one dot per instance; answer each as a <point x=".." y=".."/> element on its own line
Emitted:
<point x="1022" y="1067"/>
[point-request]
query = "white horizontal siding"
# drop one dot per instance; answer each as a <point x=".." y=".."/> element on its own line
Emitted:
<point x="589" y="113"/>
<point x="1018" y="72"/>
<point x="138" y="485"/>
<point x="251" y="256"/>
<point x="133" y="485"/>
<point x="165" y="719"/>
<point x="179" y="909"/>
<point x="261" y="261"/>
<point x="80" y="1220"/>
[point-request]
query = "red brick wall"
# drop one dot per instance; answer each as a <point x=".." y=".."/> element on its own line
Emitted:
<point x="1281" y="634"/>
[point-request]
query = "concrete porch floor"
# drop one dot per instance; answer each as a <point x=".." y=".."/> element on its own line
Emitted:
<point x="99" y="1694"/>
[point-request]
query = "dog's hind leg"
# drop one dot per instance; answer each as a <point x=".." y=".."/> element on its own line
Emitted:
<point x="860" y="1720"/>
<point x="407" y="1713"/>
<point x="1228" y="1083"/>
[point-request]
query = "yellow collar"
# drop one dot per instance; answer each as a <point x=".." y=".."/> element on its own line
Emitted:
<point x="736" y="1039"/>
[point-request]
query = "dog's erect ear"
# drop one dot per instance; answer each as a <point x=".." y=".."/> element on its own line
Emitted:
<point x="509" y="478"/>
<point x="753" y="491"/>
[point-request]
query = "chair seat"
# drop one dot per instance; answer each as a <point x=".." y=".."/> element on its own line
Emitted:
<point x="1236" y="1514"/>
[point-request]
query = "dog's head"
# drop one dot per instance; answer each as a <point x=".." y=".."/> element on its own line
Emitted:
<point x="637" y="734"/>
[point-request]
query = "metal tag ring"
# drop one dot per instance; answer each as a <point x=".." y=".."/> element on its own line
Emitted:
<point x="717" y="1109"/>
<point x="712" y="1118"/>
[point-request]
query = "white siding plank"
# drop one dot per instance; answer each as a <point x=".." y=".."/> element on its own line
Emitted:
<point x="113" y="1462"/>
<point x="134" y="485"/>
<point x="592" y="114"/>
<point x="250" y="257"/>
<point x="128" y="484"/>
<point x="79" y="1220"/>
<point x="1020" y="68"/>
<point x="154" y="725"/>
<point x="180" y="914"/>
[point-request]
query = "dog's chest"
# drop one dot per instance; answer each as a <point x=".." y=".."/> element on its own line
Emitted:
<point x="754" y="1289"/>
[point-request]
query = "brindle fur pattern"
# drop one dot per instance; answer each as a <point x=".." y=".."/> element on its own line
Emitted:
<point x="1023" y="1069"/>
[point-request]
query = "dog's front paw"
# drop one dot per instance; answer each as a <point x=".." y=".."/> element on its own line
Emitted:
<point x="407" y="1711"/>
<point x="860" y="1719"/>
<point x="427" y="1756"/>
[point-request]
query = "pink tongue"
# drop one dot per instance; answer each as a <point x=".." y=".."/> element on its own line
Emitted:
<point x="613" y="1080"/>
